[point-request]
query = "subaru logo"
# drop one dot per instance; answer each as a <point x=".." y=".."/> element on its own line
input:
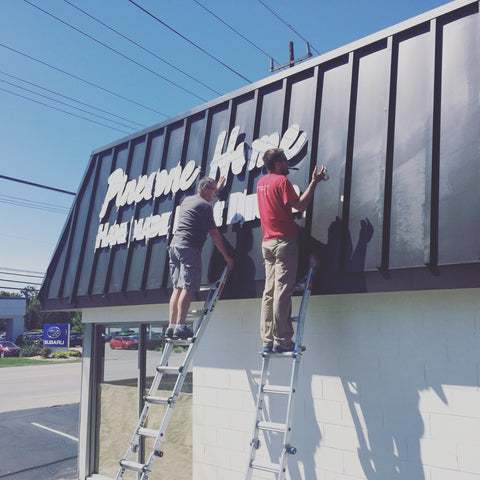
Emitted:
<point x="54" y="332"/>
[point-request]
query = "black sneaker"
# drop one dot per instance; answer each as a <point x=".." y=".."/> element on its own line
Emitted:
<point x="284" y="348"/>
<point x="182" y="333"/>
<point x="169" y="332"/>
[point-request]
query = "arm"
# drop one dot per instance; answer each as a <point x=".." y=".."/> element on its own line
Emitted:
<point x="306" y="197"/>
<point x="218" y="241"/>
<point x="220" y="183"/>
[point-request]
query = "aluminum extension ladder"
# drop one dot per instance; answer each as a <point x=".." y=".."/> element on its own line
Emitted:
<point x="143" y="469"/>
<point x="267" y="389"/>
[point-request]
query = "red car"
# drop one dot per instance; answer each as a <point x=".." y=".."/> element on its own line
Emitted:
<point x="9" y="349"/>
<point x="124" y="343"/>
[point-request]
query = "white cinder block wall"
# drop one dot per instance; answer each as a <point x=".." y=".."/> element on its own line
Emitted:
<point x="388" y="389"/>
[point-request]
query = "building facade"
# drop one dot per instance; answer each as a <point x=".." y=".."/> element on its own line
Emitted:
<point x="390" y="379"/>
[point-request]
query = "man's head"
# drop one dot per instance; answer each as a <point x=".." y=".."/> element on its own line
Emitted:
<point x="275" y="161"/>
<point x="207" y="188"/>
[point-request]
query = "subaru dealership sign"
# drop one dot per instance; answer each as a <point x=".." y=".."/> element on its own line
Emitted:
<point x="56" y="335"/>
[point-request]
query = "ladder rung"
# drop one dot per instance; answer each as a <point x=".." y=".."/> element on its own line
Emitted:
<point x="208" y="286"/>
<point x="165" y="369"/>
<point x="195" y="314"/>
<point x="272" y="467"/>
<point x="158" y="400"/>
<point x="285" y="354"/>
<point x="280" y="389"/>
<point x="148" y="432"/>
<point x="295" y="353"/>
<point x="272" y="427"/>
<point x="136" y="467"/>
<point x="294" y="319"/>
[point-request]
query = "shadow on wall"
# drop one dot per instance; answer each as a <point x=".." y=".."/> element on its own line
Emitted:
<point x="329" y="277"/>
<point x="376" y="373"/>
<point x="398" y="414"/>
<point x="241" y="280"/>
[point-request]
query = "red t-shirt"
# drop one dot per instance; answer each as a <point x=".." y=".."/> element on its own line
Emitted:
<point x="275" y="195"/>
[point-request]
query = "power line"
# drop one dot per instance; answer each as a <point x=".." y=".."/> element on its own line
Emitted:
<point x="19" y="270"/>
<point x="233" y="29"/>
<point x="83" y="80"/>
<point x="61" y="110"/>
<point x="143" y="48"/>
<point x="22" y="202"/>
<point x="66" y="104"/>
<point x="20" y="275"/>
<point x="36" y="185"/>
<point x="17" y="281"/>
<point x="189" y="41"/>
<point x="289" y="25"/>
<point x="70" y="98"/>
<point x="141" y="65"/>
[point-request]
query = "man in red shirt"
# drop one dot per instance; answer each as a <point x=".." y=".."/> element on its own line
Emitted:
<point x="276" y="198"/>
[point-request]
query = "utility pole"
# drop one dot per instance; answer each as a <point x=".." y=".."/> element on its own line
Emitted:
<point x="292" y="60"/>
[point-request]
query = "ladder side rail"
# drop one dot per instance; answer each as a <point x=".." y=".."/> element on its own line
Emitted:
<point x="208" y="310"/>
<point x="134" y="441"/>
<point x="259" y="409"/>
<point x="210" y="302"/>
<point x="156" y="452"/>
<point x="167" y="350"/>
<point x="209" y="305"/>
<point x="289" y="417"/>
<point x="303" y="307"/>
<point x="202" y="324"/>
<point x="182" y="374"/>
<point x="218" y="290"/>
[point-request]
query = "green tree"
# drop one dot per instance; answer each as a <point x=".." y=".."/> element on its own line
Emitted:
<point x="3" y="293"/>
<point x="35" y="318"/>
<point x="76" y="322"/>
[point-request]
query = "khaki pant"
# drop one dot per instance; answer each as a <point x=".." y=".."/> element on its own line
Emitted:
<point x="281" y="259"/>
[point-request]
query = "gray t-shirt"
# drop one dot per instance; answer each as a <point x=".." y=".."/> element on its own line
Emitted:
<point x="195" y="219"/>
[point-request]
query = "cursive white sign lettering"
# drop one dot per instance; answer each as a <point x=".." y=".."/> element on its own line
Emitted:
<point x="241" y="207"/>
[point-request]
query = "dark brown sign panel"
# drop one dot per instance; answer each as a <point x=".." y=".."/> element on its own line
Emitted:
<point x="396" y="120"/>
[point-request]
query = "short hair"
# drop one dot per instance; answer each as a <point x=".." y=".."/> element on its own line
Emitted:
<point x="273" y="156"/>
<point x="205" y="182"/>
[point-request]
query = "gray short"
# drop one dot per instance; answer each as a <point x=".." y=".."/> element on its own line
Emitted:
<point x="185" y="267"/>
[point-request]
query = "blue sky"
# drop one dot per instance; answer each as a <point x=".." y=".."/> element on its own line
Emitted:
<point x="44" y="145"/>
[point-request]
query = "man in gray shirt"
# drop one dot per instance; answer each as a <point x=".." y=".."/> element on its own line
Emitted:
<point x="195" y="221"/>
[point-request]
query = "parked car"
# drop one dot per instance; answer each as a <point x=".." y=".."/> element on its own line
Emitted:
<point x="76" y="339"/>
<point x="29" y="339"/>
<point x="124" y="343"/>
<point x="110" y="335"/>
<point x="9" y="349"/>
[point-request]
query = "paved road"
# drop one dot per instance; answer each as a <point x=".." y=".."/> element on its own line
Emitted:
<point x="59" y="383"/>
<point x="39" y="444"/>
<point x="39" y="421"/>
<point x="39" y="386"/>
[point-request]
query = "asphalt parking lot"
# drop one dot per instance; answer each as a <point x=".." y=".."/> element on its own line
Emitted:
<point x="39" y="409"/>
<point x="39" y="443"/>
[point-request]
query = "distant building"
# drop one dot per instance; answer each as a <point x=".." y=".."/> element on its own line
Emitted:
<point x="13" y="310"/>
